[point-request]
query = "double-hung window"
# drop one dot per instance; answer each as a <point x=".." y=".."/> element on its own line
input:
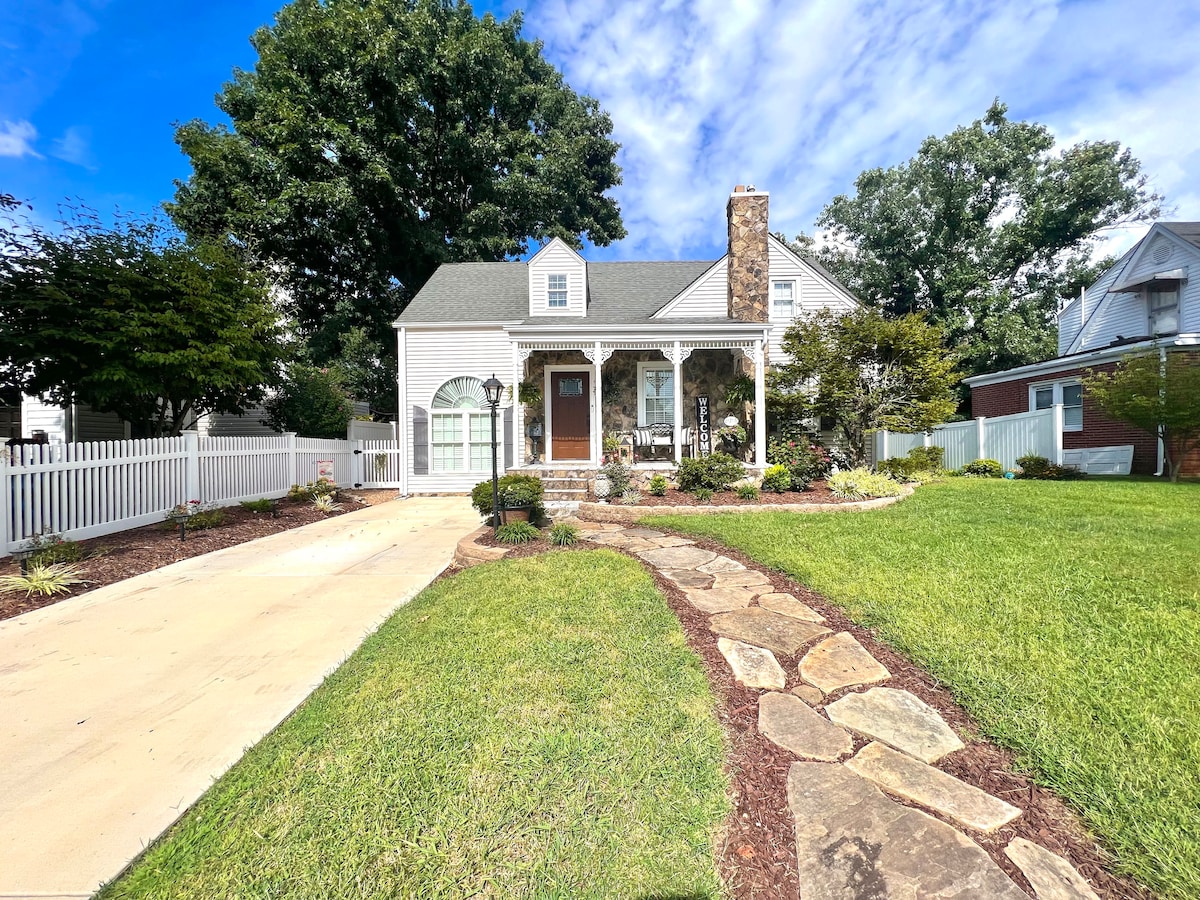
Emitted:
<point x="783" y="299"/>
<point x="1163" y="302"/>
<point x="656" y="394"/>
<point x="460" y="430"/>
<point x="1068" y="393"/>
<point x="556" y="291"/>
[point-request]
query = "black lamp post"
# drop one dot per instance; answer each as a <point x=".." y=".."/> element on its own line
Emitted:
<point x="492" y="388"/>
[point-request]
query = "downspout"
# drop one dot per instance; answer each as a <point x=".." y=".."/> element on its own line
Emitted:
<point x="1162" y="446"/>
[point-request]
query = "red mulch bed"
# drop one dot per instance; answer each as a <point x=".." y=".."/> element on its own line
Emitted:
<point x="116" y="557"/>
<point x="757" y="851"/>
<point x="817" y="492"/>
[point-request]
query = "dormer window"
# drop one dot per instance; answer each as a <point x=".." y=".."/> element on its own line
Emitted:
<point x="556" y="291"/>
<point x="1163" y="302"/>
<point x="783" y="299"/>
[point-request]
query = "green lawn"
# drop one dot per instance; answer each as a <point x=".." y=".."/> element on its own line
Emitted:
<point x="1064" y="616"/>
<point x="534" y="728"/>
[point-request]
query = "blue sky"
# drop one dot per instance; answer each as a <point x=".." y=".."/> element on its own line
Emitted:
<point x="794" y="97"/>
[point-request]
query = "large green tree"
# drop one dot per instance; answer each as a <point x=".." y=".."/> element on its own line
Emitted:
<point x="376" y="139"/>
<point x="1159" y="395"/>
<point x="135" y="320"/>
<point x="984" y="232"/>
<point x="865" y="371"/>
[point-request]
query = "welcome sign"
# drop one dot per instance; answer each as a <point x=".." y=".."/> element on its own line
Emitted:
<point x="702" y="426"/>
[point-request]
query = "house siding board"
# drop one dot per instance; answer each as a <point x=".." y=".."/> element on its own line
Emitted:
<point x="557" y="259"/>
<point x="814" y="293"/>
<point x="1008" y="397"/>
<point x="37" y="415"/>
<point x="432" y="358"/>
<point x="251" y="423"/>
<point x="707" y="298"/>
<point x="1070" y="321"/>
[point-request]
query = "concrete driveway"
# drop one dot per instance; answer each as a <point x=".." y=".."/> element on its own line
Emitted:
<point x="118" y="709"/>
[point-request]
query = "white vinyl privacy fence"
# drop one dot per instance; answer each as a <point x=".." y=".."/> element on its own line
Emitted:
<point x="1002" y="438"/>
<point x="86" y="490"/>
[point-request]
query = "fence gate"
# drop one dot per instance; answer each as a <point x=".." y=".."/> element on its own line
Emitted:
<point x="377" y="464"/>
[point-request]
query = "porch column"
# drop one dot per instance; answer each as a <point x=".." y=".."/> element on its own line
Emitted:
<point x="760" y="404"/>
<point x="677" y="390"/>
<point x="598" y="419"/>
<point x="518" y="409"/>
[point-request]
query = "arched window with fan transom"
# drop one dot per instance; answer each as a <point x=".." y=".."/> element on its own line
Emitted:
<point x="460" y="432"/>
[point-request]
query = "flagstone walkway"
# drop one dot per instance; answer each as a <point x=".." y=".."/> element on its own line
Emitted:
<point x="853" y="840"/>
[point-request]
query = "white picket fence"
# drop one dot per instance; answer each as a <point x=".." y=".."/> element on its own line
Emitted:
<point x="86" y="490"/>
<point x="1002" y="438"/>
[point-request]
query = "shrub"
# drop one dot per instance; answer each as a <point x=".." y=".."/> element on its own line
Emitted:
<point x="326" y="504"/>
<point x="807" y="460"/>
<point x="983" y="468"/>
<point x="747" y="491"/>
<point x="898" y="467"/>
<point x="658" y="485"/>
<point x="1040" y="468"/>
<point x="619" y="477"/>
<point x="715" y="472"/>
<point x="258" y="506"/>
<point x="517" y="533"/>
<point x="564" y="534"/>
<point x="929" y="459"/>
<point x="702" y="494"/>
<point x="311" y="401"/>
<point x="43" y="580"/>
<point x="858" y="484"/>
<point x="312" y="490"/>
<point x="49" y="549"/>
<point x="777" y="478"/>
<point x="205" y="518"/>
<point x="516" y="491"/>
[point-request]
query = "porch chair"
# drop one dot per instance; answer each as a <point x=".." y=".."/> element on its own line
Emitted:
<point x="649" y="438"/>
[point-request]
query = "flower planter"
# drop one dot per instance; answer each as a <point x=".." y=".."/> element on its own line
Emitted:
<point x="517" y="514"/>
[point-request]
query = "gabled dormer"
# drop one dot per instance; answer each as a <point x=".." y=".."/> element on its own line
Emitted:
<point x="557" y="281"/>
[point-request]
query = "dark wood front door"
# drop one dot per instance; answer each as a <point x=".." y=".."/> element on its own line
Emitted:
<point x="570" y="415"/>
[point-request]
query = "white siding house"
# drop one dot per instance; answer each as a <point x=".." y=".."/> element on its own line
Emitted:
<point x="615" y="347"/>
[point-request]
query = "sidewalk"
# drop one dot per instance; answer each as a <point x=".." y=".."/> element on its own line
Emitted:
<point x="120" y="708"/>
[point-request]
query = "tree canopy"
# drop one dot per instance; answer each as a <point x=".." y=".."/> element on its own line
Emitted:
<point x="1161" y="396"/>
<point x="376" y="139"/>
<point x="865" y="371"/>
<point x="134" y="320"/>
<point x="983" y="233"/>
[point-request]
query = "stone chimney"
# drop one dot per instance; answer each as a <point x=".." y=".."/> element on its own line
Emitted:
<point x="749" y="286"/>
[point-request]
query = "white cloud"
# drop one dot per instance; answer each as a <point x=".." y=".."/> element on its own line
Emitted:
<point x="799" y="97"/>
<point x="75" y="147"/>
<point x="16" y="139"/>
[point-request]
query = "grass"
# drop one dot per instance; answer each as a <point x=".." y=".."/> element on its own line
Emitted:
<point x="532" y="728"/>
<point x="1064" y="616"/>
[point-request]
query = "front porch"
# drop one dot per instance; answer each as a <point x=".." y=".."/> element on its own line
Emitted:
<point x="648" y="402"/>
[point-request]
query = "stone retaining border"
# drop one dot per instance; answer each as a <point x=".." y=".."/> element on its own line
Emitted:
<point x="468" y="553"/>
<point x="608" y="512"/>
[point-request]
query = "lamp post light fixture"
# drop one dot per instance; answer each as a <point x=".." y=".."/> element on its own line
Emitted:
<point x="492" y="388"/>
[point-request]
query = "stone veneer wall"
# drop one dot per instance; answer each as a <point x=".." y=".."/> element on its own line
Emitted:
<point x="748" y="274"/>
<point x="705" y="372"/>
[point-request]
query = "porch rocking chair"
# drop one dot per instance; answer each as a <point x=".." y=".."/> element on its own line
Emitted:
<point x="649" y="438"/>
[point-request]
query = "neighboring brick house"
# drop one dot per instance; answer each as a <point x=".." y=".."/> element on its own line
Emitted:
<point x="1145" y="303"/>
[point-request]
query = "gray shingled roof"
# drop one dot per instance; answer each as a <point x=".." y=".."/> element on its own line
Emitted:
<point x="499" y="292"/>
<point x="1189" y="231"/>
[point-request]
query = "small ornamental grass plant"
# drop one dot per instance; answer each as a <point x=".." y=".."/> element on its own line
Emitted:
<point x="517" y="533"/>
<point x="43" y="580"/>
<point x="859" y="484"/>
<point x="326" y="504"/>
<point x="312" y="490"/>
<point x="747" y="491"/>
<point x="631" y="497"/>
<point x="564" y="534"/>
<point x="703" y="495"/>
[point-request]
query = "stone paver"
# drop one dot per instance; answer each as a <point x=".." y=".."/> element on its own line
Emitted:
<point x="678" y="557"/>
<point x="745" y="578"/>
<point x="721" y="564"/>
<point x="763" y="628"/>
<point x="717" y="600"/>
<point x="122" y="705"/>
<point x="787" y="605"/>
<point x="841" y="661"/>
<point x="671" y="541"/>
<point x="897" y="718"/>
<point x="1051" y="876"/>
<point x="752" y="667"/>
<point x="643" y="533"/>
<point x="853" y="843"/>
<point x="794" y="725"/>
<point x="809" y="694"/>
<point x="688" y="578"/>
<point x="906" y="777"/>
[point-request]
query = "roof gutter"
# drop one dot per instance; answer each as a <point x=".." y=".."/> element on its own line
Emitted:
<point x="1103" y="354"/>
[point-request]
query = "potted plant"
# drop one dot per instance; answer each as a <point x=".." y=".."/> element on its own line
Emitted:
<point x="520" y="497"/>
<point x="732" y="436"/>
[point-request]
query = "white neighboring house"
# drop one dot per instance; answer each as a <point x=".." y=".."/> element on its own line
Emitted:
<point x="615" y="348"/>
<point x="80" y="422"/>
